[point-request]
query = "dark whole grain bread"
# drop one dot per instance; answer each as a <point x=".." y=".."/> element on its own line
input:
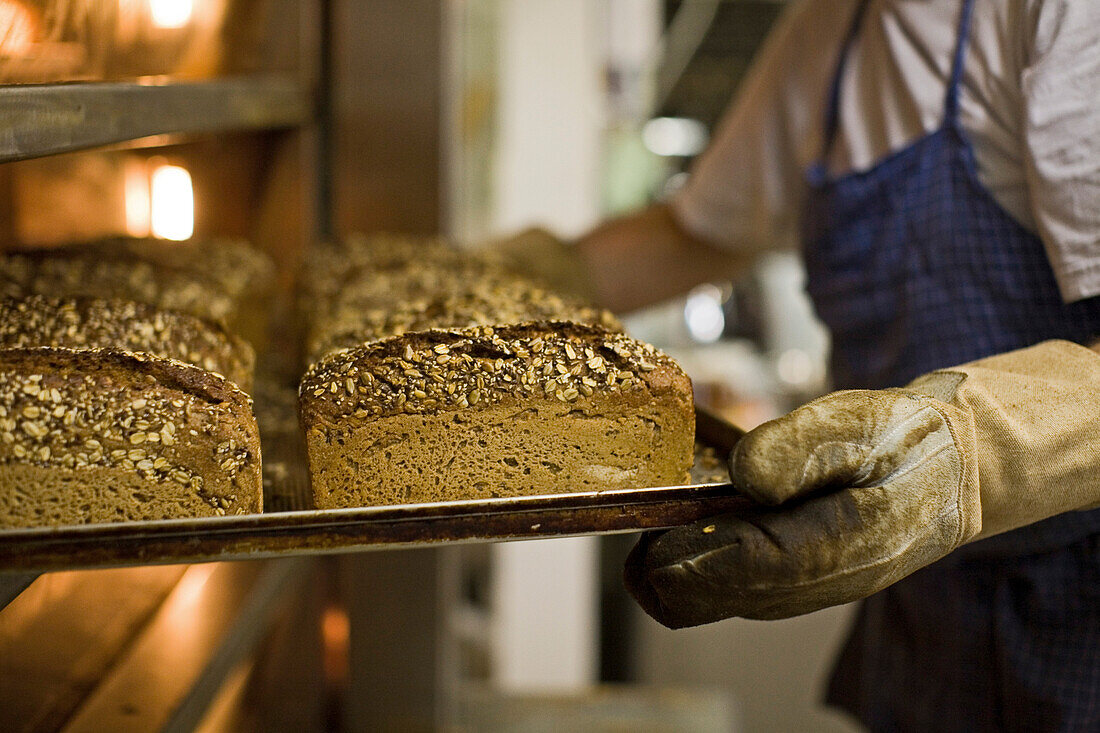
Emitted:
<point x="226" y="281"/>
<point x="243" y="272"/>
<point x="467" y="302"/>
<point x="76" y="323"/>
<point x="381" y="273"/>
<point x="333" y="268"/>
<point x="233" y="265"/>
<point x="101" y="435"/>
<point x="485" y="412"/>
<point x="82" y="273"/>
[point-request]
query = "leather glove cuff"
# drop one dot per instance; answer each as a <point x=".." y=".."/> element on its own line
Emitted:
<point x="1036" y="417"/>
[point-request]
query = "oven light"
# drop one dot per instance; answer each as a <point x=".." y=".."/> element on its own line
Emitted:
<point x="170" y="13"/>
<point x="18" y="29"/>
<point x="189" y="590"/>
<point x="172" y="203"/>
<point x="136" y="192"/>
<point x="335" y="633"/>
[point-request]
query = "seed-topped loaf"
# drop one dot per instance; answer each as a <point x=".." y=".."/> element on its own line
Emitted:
<point x="99" y="435"/>
<point x="233" y="265"/>
<point x="77" y="273"/>
<point x="392" y="283"/>
<point x="76" y="323"/>
<point x="236" y="268"/>
<point x="334" y="268"/>
<point x="484" y="412"/>
<point x="468" y="303"/>
<point x="226" y="281"/>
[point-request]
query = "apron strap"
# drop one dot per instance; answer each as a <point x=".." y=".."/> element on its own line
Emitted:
<point x="832" y="108"/>
<point x="954" y="85"/>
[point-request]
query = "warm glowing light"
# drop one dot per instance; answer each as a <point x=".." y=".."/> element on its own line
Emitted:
<point x="172" y="203"/>
<point x="17" y="29"/>
<point x="170" y="13"/>
<point x="137" y="198"/>
<point x="335" y="635"/>
<point x="189" y="589"/>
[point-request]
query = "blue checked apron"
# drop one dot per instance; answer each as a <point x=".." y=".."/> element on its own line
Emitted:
<point x="914" y="266"/>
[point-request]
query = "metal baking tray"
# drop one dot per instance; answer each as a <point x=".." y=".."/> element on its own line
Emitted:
<point x="303" y="532"/>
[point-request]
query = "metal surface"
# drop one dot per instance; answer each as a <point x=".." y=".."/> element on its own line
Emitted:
<point x="44" y="119"/>
<point x="12" y="585"/>
<point x="343" y="530"/>
<point x="173" y="668"/>
<point x="65" y="633"/>
<point x="278" y="582"/>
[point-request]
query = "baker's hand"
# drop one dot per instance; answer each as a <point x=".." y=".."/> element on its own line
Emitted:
<point x="860" y="488"/>
<point x="539" y="254"/>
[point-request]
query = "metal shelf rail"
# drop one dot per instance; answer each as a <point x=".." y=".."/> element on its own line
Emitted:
<point x="38" y="120"/>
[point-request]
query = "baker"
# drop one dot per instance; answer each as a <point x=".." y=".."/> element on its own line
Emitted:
<point x="939" y="161"/>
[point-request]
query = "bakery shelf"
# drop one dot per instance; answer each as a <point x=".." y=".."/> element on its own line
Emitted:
<point x="238" y="606"/>
<point x="346" y="530"/>
<point x="45" y="119"/>
<point x="88" y="651"/>
<point x="310" y="532"/>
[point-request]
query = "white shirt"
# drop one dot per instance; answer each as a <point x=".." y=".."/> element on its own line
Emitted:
<point x="1029" y="105"/>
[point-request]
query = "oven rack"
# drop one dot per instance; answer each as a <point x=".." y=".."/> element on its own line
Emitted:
<point x="296" y="531"/>
<point x="48" y="119"/>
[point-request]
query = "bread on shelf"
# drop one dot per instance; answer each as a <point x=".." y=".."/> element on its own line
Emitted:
<point x="494" y="411"/>
<point x="102" y="435"/>
<point x="222" y="280"/>
<point x="467" y="302"/>
<point x="334" y="268"/>
<point x="81" y="322"/>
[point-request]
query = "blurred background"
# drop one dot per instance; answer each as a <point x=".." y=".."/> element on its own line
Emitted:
<point x="469" y="118"/>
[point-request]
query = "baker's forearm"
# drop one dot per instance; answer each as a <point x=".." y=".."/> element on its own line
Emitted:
<point x="646" y="257"/>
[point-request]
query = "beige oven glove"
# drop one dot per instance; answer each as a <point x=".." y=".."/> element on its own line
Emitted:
<point x="538" y="253"/>
<point x="860" y="488"/>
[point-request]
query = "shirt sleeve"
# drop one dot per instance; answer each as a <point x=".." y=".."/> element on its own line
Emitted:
<point x="1061" y="89"/>
<point x="746" y="190"/>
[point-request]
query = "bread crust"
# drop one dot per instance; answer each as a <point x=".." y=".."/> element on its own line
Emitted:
<point x="79" y="323"/>
<point x="97" y="435"/>
<point x="600" y="397"/>
<point x="222" y="280"/>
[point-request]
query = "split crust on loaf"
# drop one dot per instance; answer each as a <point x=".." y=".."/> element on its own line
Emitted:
<point x="483" y="412"/>
<point x="80" y="323"/>
<point x="100" y="435"/>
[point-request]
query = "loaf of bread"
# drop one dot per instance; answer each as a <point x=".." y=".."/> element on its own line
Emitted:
<point x="100" y="435"/>
<point x="79" y="323"/>
<point x="336" y="268"/>
<point x="71" y="272"/>
<point x="463" y="303"/>
<point x="384" y="272"/>
<point x="236" y="268"/>
<point x="486" y="412"/>
<point x="225" y="281"/>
